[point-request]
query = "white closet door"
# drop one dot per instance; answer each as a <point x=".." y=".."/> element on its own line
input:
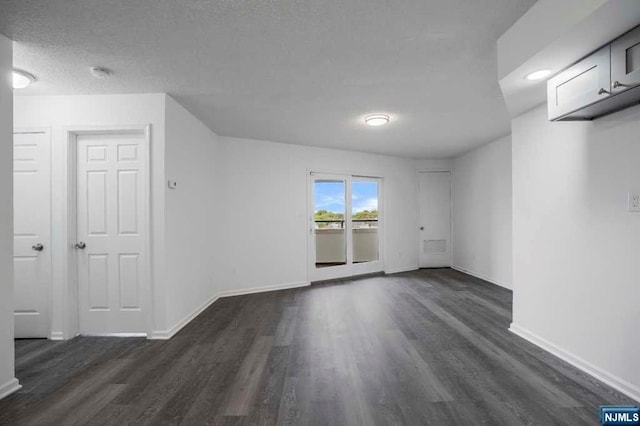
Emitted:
<point x="435" y="219"/>
<point x="32" y="230"/>
<point x="110" y="234"/>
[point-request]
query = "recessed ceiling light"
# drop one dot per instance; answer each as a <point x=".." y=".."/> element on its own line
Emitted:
<point x="100" y="73"/>
<point x="377" y="119"/>
<point x="22" y="79"/>
<point x="537" y="75"/>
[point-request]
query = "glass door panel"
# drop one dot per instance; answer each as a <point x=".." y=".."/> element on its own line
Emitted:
<point x="345" y="226"/>
<point x="364" y="218"/>
<point x="330" y="223"/>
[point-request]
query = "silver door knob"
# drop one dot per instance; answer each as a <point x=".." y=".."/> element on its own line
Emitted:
<point x="38" y="247"/>
<point x="81" y="245"/>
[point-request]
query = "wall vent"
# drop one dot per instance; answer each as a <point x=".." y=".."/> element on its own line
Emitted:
<point x="434" y="246"/>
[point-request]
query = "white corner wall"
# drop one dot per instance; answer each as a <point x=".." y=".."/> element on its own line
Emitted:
<point x="262" y="227"/>
<point x="576" y="261"/>
<point x="59" y="112"/>
<point x="8" y="383"/>
<point x="481" y="198"/>
<point x="191" y="238"/>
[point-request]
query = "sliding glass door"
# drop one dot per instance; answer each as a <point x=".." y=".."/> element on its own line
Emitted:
<point x="345" y="225"/>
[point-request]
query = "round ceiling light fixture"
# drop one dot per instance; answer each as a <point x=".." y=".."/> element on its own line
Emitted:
<point x="100" y="73"/>
<point x="22" y="79"/>
<point x="376" y="119"/>
<point x="537" y="75"/>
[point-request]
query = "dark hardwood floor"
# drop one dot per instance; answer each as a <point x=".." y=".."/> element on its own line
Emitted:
<point x="425" y="347"/>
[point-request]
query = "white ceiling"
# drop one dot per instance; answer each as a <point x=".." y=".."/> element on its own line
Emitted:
<point x="292" y="71"/>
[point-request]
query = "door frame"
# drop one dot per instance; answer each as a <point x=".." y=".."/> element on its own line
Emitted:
<point x="350" y="269"/>
<point x="49" y="250"/>
<point x="70" y="296"/>
<point x="450" y="212"/>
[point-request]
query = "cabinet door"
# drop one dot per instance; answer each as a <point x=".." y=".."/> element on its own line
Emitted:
<point x="625" y="61"/>
<point x="581" y="85"/>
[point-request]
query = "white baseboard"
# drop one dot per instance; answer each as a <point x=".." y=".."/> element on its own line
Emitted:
<point x="168" y="334"/>
<point x="621" y="385"/>
<point x="114" y="334"/>
<point x="10" y="387"/>
<point x="481" y="276"/>
<point x="399" y="270"/>
<point x="229" y="293"/>
<point x="56" y="335"/>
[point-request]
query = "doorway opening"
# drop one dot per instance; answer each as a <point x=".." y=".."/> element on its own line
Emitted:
<point x="345" y="225"/>
<point x="108" y="230"/>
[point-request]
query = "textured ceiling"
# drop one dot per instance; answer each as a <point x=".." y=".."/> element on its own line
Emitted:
<point x="295" y="71"/>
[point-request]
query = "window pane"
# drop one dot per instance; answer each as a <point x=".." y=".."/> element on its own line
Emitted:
<point x="364" y="215"/>
<point x="330" y="223"/>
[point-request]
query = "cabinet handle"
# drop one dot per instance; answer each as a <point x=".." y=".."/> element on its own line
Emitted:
<point x="617" y="84"/>
<point x="602" y="91"/>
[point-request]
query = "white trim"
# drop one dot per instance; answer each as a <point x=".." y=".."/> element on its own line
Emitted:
<point x="482" y="277"/>
<point x="168" y="334"/>
<point x="621" y="385"/>
<point x="398" y="270"/>
<point x="56" y="335"/>
<point x="114" y="334"/>
<point x="254" y="290"/>
<point x="10" y="387"/>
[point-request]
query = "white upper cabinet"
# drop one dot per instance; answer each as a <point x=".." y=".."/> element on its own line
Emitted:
<point x="581" y="85"/>
<point x="625" y="61"/>
<point x="606" y="81"/>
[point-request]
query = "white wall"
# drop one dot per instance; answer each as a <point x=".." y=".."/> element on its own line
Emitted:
<point x="191" y="159"/>
<point x="210" y="235"/>
<point x="576" y="262"/>
<point x="262" y="228"/>
<point x="58" y="112"/>
<point x="481" y="186"/>
<point x="437" y="165"/>
<point x="7" y="382"/>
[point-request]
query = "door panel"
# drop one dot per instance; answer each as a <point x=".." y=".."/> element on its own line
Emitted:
<point x="343" y="226"/>
<point x="435" y="219"/>
<point x="580" y="85"/>
<point x="625" y="61"/>
<point x="366" y="225"/>
<point x="32" y="226"/>
<point x="111" y="223"/>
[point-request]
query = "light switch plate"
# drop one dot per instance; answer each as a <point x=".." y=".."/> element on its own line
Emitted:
<point x="634" y="202"/>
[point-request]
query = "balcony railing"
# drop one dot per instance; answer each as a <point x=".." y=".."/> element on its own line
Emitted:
<point x="357" y="223"/>
<point x="330" y="241"/>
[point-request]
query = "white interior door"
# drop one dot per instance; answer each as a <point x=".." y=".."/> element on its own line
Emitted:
<point x="111" y="222"/>
<point x="435" y="219"/>
<point x="345" y="224"/>
<point x="32" y="233"/>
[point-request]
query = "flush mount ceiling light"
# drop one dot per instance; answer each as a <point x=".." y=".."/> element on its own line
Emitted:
<point x="100" y="73"/>
<point x="376" y="119"/>
<point x="537" y="75"/>
<point x="22" y="79"/>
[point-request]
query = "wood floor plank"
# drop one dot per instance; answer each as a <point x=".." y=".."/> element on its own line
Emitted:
<point x="422" y="347"/>
<point x="245" y="385"/>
